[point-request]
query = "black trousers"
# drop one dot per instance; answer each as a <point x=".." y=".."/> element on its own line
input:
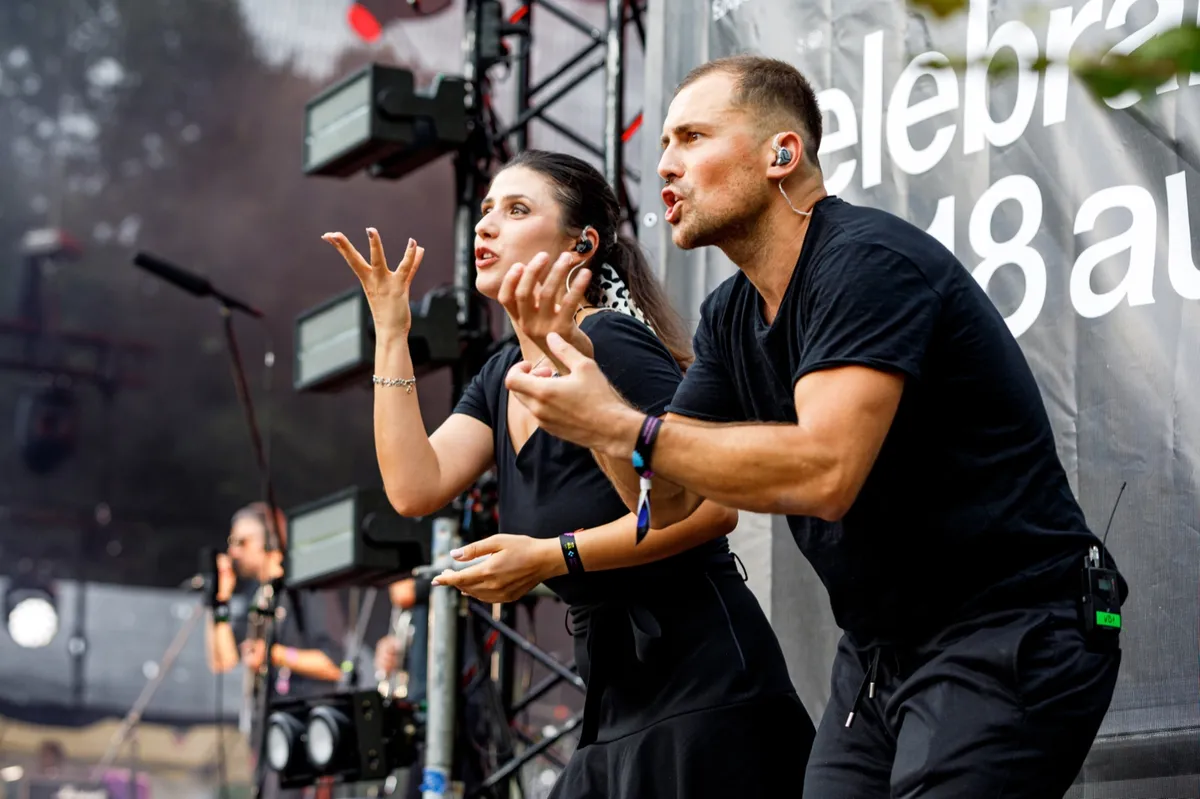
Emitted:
<point x="1005" y="706"/>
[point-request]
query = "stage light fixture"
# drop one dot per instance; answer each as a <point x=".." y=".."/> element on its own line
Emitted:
<point x="335" y="341"/>
<point x="377" y="120"/>
<point x="356" y="736"/>
<point x="285" y="743"/>
<point x="328" y="730"/>
<point x="353" y="538"/>
<point x="31" y="615"/>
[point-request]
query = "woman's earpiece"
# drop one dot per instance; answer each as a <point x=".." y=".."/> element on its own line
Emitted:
<point x="783" y="156"/>
<point x="585" y="244"/>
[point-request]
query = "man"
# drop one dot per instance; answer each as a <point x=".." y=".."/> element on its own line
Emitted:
<point x="305" y="661"/>
<point x="854" y="377"/>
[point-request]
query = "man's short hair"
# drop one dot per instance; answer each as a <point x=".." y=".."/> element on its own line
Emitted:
<point x="260" y="512"/>
<point x="773" y="89"/>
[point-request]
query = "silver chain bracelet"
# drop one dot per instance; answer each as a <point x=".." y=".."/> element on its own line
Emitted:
<point x="407" y="382"/>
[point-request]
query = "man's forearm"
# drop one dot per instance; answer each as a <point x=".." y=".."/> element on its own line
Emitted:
<point x="766" y="468"/>
<point x="222" y="648"/>
<point x="311" y="663"/>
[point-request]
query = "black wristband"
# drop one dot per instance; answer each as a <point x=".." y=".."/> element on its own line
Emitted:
<point x="571" y="553"/>
<point x="220" y="613"/>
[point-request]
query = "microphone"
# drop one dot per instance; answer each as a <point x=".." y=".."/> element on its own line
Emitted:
<point x="189" y="282"/>
<point x="206" y="579"/>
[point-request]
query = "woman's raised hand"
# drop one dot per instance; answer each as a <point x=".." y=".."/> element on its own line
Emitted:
<point x="531" y="296"/>
<point x="387" y="291"/>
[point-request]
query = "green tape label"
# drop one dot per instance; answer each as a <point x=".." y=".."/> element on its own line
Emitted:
<point x="1108" y="619"/>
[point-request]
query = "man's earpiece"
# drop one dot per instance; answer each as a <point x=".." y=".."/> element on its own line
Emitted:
<point x="783" y="156"/>
<point x="585" y="244"/>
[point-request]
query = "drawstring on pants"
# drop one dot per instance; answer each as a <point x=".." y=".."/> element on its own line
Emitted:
<point x="867" y="687"/>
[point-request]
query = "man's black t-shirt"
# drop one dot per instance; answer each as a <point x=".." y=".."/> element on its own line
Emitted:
<point x="552" y="486"/>
<point x="325" y="629"/>
<point x="967" y="507"/>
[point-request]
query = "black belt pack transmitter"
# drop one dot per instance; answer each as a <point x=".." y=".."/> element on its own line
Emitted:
<point x="1100" y="597"/>
<point x="1101" y="601"/>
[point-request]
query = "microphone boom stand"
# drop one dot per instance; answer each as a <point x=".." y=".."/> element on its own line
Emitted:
<point x="201" y="287"/>
<point x="275" y="538"/>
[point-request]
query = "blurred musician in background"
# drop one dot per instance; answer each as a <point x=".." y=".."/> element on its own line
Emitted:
<point x="305" y="660"/>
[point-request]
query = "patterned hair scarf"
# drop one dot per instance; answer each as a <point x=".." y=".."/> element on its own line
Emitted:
<point x="614" y="294"/>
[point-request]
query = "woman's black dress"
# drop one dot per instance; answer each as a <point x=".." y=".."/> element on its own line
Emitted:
<point x="688" y="694"/>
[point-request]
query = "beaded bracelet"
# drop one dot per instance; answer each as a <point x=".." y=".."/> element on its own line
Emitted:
<point x="406" y="382"/>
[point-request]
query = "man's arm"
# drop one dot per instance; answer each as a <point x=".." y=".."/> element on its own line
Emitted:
<point x="219" y="642"/>
<point x="670" y="503"/>
<point x="220" y="645"/>
<point x="869" y="315"/>
<point x="815" y="467"/>
<point x="311" y="663"/>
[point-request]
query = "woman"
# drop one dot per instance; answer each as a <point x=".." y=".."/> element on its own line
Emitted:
<point x="687" y="691"/>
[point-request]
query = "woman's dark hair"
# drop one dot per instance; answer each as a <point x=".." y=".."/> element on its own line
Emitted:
<point x="585" y="198"/>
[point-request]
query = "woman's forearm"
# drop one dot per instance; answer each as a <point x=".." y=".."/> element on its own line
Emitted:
<point x="407" y="461"/>
<point x="669" y="504"/>
<point x="516" y="563"/>
<point x="614" y="546"/>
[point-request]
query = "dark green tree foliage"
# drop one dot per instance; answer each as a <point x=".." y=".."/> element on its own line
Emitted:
<point x="1172" y="52"/>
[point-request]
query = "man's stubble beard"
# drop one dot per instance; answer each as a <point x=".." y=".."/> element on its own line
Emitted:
<point x="734" y="228"/>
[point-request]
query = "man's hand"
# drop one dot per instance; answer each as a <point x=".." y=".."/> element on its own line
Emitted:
<point x="253" y="654"/>
<point x="580" y="407"/>
<point x="533" y="304"/>
<point x="403" y="593"/>
<point x="226" y="579"/>
<point x="515" y="564"/>
<point x="387" y="654"/>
